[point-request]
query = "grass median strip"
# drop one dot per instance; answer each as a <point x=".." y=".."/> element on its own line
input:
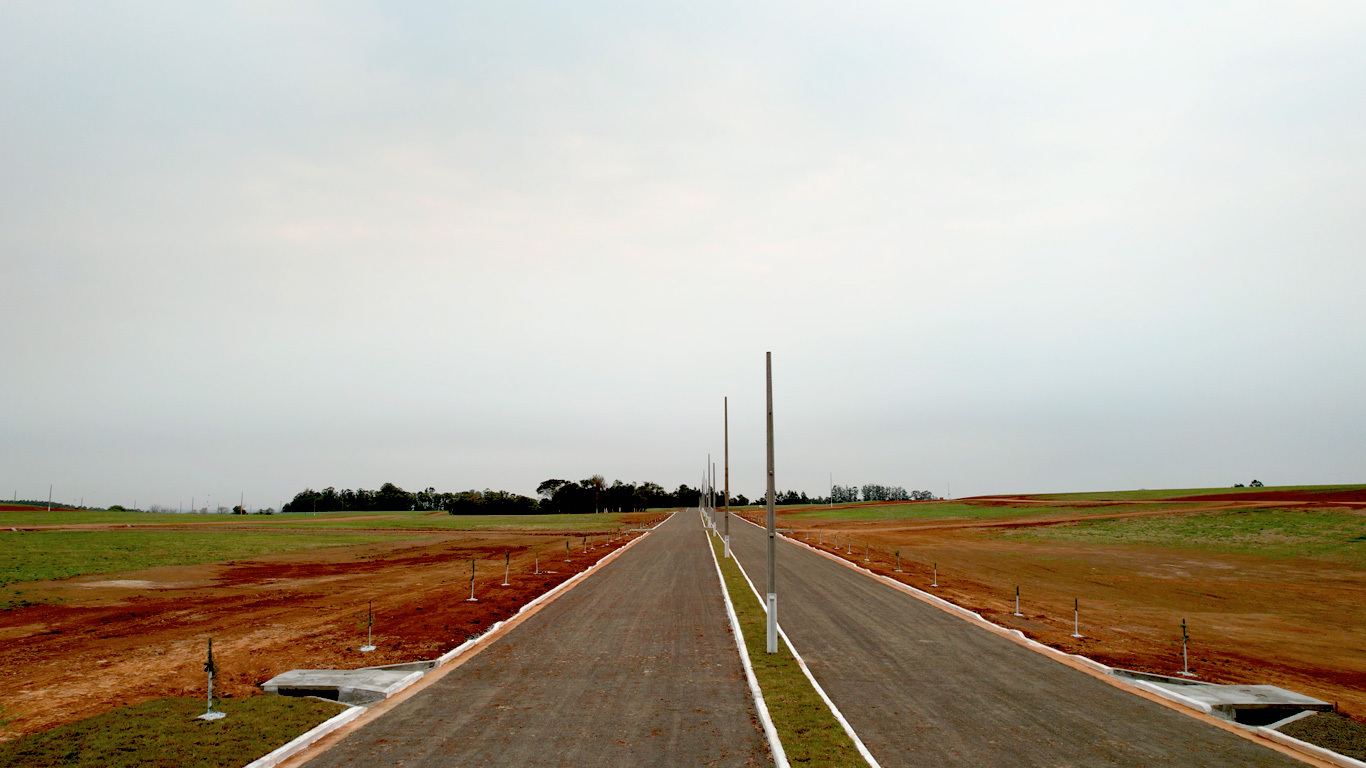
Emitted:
<point x="810" y="734"/>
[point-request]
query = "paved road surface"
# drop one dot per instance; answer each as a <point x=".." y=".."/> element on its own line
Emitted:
<point x="635" y="666"/>
<point x="924" y="688"/>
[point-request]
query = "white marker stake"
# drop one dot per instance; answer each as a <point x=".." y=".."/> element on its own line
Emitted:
<point x="1076" y="618"/>
<point x="1185" y="660"/>
<point x="211" y="669"/>
<point x="369" y="629"/>
<point x="538" y="564"/>
<point x="1017" y="600"/>
<point x="507" y="567"/>
<point x="936" y="575"/>
<point x="898" y="561"/>
<point x="471" y="597"/>
<point x="866" y="547"/>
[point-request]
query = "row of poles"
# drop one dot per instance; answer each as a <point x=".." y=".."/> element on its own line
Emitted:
<point x="1076" y="602"/>
<point x="708" y="501"/>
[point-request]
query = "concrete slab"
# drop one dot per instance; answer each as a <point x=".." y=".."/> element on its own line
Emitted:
<point x="349" y="686"/>
<point x="1248" y="704"/>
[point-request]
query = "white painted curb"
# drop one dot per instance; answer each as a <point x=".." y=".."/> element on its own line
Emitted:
<point x="775" y="744"/>
<point x="1311" y="749"/>
<point x="801" y="663"/>
<point x="274" y="758"/>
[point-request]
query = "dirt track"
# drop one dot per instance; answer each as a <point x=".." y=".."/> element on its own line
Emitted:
<point x="119" y="639"/>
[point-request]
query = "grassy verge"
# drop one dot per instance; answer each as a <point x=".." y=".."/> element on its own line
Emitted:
<point x="1274" y="533"/>
<point x="808" y="730"/>
<point x="46" y="555"/>
<point x="164" y="733"/>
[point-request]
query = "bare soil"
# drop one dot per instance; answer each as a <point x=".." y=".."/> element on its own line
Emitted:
<point x="1296" y="623"/>
<point x="98" y="642"/>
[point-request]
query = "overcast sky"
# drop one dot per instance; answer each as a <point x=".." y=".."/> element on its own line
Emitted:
<point x="1012" y="247"/>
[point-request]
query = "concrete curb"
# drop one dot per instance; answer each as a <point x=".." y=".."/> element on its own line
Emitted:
<point x="1311" y="749"/>
<point x="1280" y="743"/>
<point x="801" y="663"/>
<point x="1172" y="695"/>
<point x="775" y="745"/>
<point x="275" y="757"/>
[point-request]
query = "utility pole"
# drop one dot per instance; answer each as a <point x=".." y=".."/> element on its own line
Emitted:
<point x="772" y="523"/>
<point x="49" y="497"/>
<point x="725" y="405"/>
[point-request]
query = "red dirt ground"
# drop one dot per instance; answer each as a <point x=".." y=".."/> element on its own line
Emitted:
<point x="1296" y="623"/>
<point x="120" y="639"/>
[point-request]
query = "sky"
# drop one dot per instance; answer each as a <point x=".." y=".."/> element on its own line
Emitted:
<point x="250" y="248"/>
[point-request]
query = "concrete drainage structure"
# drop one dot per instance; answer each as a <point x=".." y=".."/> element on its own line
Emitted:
<point x="1247" y="705"/>
<point x="357" y="687"/>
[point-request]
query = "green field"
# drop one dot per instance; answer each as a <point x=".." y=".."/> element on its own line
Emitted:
<point x="1275" y="533"/>
<point x="46" y="555"/>
<point x="954" y="510"/>
<point x="607" y="521"/>
<point x="1177" y="493"/>
<point x="164" y="733"/>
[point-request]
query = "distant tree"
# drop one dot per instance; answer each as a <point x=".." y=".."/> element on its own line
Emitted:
<point x="547" y="488"/>
<point x="238" y="510"/>
<point x="1255" y="484"/>
<point x="843" y="494"/>
<point x="1238" y="485"/>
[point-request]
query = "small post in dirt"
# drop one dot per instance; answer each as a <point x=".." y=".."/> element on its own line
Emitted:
<point x="866" y="548"/>
<point x="1185" y="659"/>
<point x="369" y="628"/>
<point x="471" y="597"/>
<point x="847" y="544"/>
<point x="1017" y="601"/>
<point x="538" y="563"/>
<point x="936" y="576"/>
<point x="210" y="668"/>
<point x="585" y="545"/>
<point x="507" y="567"/>
<point x="566" y="550"/>
<point x="1076" y="618"/>
<point x="898" y="561"/>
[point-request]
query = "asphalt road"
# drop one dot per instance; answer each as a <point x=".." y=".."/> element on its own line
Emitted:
<point x="634" y="666"/>
<point x="924" y="688"/>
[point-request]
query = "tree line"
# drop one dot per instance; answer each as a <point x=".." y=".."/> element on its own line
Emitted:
<point x="556" y="496"/>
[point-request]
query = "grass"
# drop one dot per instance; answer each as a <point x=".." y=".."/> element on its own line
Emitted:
<point x="949" y="510"/>
<point x="1274" y="533"/>
<point x="808" y="730"/>
<point x="1177" y="493"/>
<point x="47" y="555"/>
<point x="164" y="733"/>
<point x="607" y="521"/>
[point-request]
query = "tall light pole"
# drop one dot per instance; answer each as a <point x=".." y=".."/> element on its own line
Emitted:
<point x="725" y="405"/>
<point x="772" y="529"/>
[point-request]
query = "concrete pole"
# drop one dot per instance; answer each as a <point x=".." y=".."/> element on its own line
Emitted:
<point x="725" y="407"/>
<point x="1076" y="617"/>
<point x="49" y="497"/>
<point x="507" y="567"/>
<point x="1017" y="600"/>
<point x="471" y="598"/>
<point x="898" y="561"/>
<point x="772" y="521"/>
